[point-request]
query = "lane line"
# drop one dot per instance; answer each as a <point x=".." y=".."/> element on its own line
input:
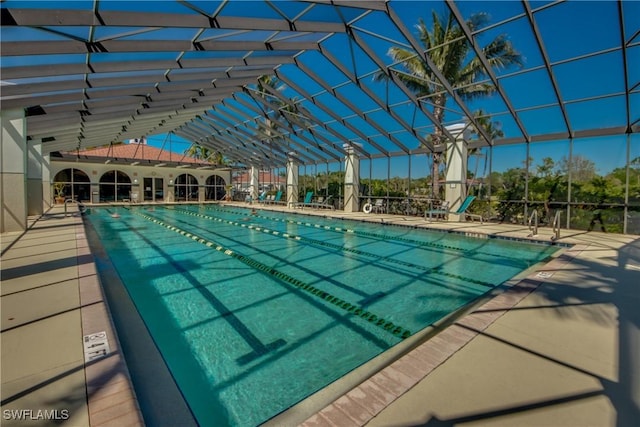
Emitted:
<point x="428" y="270"/>
<point x="353" y="309"/>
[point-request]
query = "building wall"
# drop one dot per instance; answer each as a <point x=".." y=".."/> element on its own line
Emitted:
<point x="137" y="174"/>
<point x="13" y="169"/>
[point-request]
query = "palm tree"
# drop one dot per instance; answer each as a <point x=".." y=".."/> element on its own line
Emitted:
<point x="284" y="110"/>
<point x="199" y="152"/>
<point x="491" y="128"/>
<point x="450" y="51"/>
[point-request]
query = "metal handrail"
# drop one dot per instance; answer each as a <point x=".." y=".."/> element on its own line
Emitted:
<point x="533" y="219"/>
<point x="66" y="201"/>
<point x="556" y="226"/>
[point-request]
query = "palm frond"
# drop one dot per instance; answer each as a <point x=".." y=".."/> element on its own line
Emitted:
<point x="501" y="53"/>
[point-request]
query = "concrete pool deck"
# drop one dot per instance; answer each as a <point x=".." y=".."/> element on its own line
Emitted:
<point x="558" y="348"/>
<point x="50" y="299"/>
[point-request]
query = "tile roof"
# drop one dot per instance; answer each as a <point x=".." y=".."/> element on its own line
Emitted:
<point x="263" y="177"/>
<point x="138" y="152"/>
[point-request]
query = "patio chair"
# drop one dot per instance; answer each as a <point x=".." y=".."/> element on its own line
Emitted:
<point x="378" y="206"/>
<point x="322" y="203"/>
<point x="307" y="200"/>
<point x="277" y="198"/>
<point x="462" y="210"/>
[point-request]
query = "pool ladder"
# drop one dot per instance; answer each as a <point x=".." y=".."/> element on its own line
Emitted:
<point x="556" y="226"/>
<point x="533" y="224"/>
<point x="81" y="207"/>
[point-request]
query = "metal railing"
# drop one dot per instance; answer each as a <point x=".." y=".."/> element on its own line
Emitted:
<point x="556" y="226"/>
<point x="81" y="206"/>
<point x="533" y="223"/>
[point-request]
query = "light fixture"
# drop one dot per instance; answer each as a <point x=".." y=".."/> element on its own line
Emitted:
<point x="135" y="163"/>
<point x="161" y="164"/>
<point x="106" y="162"/>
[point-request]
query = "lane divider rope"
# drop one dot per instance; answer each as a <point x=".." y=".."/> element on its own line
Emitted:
<point x="350" y="231"/>
<point x="353" y="309"/>
<point x="366" y="234"/>
<point x="436" y="270"/>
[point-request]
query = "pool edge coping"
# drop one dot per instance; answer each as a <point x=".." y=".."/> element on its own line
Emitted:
<point x="96" y="316"/>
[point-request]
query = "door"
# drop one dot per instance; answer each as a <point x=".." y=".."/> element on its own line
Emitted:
<point x="153" y="189"/>
<point x="158" y="189"/>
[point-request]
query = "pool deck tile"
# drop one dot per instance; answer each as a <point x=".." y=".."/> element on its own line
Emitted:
<point x="318" y="420"/>
<point x="372" y="396"/>
<point x="337" y="417"/>
<point x="121" y="411"/>
<point x="352" y="410"/>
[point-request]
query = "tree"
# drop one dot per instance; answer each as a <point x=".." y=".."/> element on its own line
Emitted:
<point x="491" y="128"/>
<point x="449" y="49"/>
<point x="284" y="110"/>
<point x="546" y="168"/>
<point x="580" y="168"/>
<point x="199" y="152"/>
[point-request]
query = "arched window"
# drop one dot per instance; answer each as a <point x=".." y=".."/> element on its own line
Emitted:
<point x="214" y="188"/>
<point x="74" y="184"/>
<point x="186" y="188"/>
<point x="115" y="186"/>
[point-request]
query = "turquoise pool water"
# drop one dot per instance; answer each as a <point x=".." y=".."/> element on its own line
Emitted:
<point x="253" y="313"/>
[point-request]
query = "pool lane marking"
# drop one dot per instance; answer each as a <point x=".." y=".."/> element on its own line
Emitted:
<point x="436" y="270"/>
<point x="370" y="234"/>
<point x="353" y="309"/>
<point x="350" y="231"/>
<point x="258" y="349"/>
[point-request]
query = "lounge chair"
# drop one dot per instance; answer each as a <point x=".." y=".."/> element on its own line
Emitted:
<point x="277" y="198"/>
<point x="462" y="210"/>
<point x="378" y="206"/>
<point x="260" y="199"/>
<point x="307" y="200"/>
<point x="322" y="203"/>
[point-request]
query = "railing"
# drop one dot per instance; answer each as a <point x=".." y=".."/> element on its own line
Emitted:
<point x="410" y="206"/>
<point x="533" y="223"/>
<point x="81" y="207"/>
<point x="556" y="226"/>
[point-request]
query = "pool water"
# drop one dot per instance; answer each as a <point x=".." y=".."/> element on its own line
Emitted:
<point x="254" y="312"/>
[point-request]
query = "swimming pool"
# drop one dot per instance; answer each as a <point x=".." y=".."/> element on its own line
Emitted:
<point x="254" y="312"/>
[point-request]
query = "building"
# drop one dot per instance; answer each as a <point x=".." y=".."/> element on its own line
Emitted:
<point x="135" y="172"/>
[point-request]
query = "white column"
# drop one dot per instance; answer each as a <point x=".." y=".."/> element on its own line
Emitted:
<point x="253" y="183"/>
<point x="170" y="195"/>
<point x="34" y="178"/>
<point x="47" y="197"/>
<point x="351" y="180"/>
<point x="137" y="195"/>
<point x="292" y="182"/>
<point x="456" y="169"/>
<point x="13" y="168"/>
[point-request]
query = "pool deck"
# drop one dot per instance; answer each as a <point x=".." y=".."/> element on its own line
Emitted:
<point x="50" y="299"/>
<point x="561" y="347"/>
